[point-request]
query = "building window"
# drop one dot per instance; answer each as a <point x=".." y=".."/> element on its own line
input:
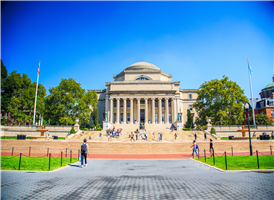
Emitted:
<point x="115" y="104"/>
<point x="156" y="104"/>
<point x="169" y="117"/>
<point x="128" y="104"/>
<point x="115" y="117"/>
<point x="142" y="102"/>
<point x="163" y="117"/>
<point x="122" y="104"/>
<point x="128" y="117"/>
<point x="156" y="117"/>
<point x="271" y="103"/>
<point x="190" y="96"/>
<point x="122" y="117"/>
<point x="169" y="103"/>
<point x="272" y="113"/>
<point x="163" y="104"/>
<point x="190" y="107"/>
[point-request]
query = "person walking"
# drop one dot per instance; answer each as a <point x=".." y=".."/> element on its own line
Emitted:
<point x="194" y="146"/>
<point x="153" y="135"/>
<point x="84" y="152"/>
<point x="175" y="136"/>
<point x="272" y="135"/>
<point x="136" y="135"/>
<point x="47" y="135"/>
<point x="132" y="136"/>
<point x="211" y="147"/>
<point x="205" y="135"/>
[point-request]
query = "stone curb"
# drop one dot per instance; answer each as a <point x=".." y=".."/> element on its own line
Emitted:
<point x="253" y="170"/>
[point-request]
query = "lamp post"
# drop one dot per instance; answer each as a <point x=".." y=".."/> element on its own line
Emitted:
<point x="250" y="145"/>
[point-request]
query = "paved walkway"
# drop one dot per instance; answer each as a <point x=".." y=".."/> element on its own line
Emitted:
<point x="137" y="179"/>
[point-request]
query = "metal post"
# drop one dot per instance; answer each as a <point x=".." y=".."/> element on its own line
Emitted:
<point x="78" y="153"/>
<point x="12" y="149"/>
<point x="48" y="152"/>
<point x="20" y="161"/>
<point x="70" y="156"/>
<point x="29" y="151"/>
<point x="205" y="154"/>
<point x="49" y="160"/>
<point x="271" y="149"/>
<point x="225" y="161"/>
<point x="34" y="113"/>
<point x="61" y="158"/>
<point x="232" y="150"/>
<point x="66" y="152"/>
<point x="213" y="158"/>
<point x="257" y="159"/>
<point x="250" y="145"/>
<point x="198" y="154"/>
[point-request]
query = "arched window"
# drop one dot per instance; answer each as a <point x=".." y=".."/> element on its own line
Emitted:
<point x="142" y="78"/>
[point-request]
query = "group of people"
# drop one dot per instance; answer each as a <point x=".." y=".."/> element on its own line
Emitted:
<point x="195" y="147"/>
<point x="113" y="133"/>
<point x="138" y="135"/>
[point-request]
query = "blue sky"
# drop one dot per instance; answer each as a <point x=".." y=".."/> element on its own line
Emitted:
<point x="91" y="41"/>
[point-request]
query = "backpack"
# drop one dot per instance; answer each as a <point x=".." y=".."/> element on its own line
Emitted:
<point x="84" y="148"/>
<point x="197" y="146"/>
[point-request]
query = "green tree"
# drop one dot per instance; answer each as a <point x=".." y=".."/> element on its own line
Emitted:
<point x="189" y="122"/>
<point x="261" y="119"/>
<point x="222" y="100"/>
<point x="18" y="94"/>
<point x="68" y="101"/>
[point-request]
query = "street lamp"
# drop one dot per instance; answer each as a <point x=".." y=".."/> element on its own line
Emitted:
<point x="250" y="145"/>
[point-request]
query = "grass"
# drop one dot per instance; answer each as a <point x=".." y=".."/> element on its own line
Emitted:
<point x="241" y="162"/>
<point x="33" y="163"/>
<point x="226" y="138"/>
<point x="15" y="138"/>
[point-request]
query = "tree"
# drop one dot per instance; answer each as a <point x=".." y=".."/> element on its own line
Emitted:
<point x="262" y="119"/>
<point x="189" y="122"/>
<point x="68" y="101"/>
<point x="18" y="95"/>
<point x="222" y="100"/>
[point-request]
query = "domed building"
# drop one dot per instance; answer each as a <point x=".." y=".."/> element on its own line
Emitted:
<point x="143" y="93"/>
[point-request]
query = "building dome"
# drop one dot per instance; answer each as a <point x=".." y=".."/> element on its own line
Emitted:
<point x="270" y="84"/>
<point x="142" y="66"/>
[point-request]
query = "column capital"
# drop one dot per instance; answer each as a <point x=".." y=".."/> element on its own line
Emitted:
<point x="167" y="98"/>
<point x="124" y="98"/>
<point x="174" y="98"/>
<point x="111" y="98"/>
<point x="131" y="98"/>
<point x="138" y="98"/>
<point x="152" y="98"/>
<point x="160" y="98"/>
<point x="146" y="98"/>
<point x="117" y="98"/>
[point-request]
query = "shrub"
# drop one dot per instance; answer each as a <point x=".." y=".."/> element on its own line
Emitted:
<point x="98" y="129"/>
<point x="213" y="131"/>
<point x="72" y="131"/>
<point x="85" y="129"/>
<point x="203" y="127"/>
<point x="186" y="129"/>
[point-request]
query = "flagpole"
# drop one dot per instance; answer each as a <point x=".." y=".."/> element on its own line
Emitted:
<point x="250" y="84"/>
<point x="36" y="94"/>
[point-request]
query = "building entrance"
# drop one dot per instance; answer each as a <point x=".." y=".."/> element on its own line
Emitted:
<point x="142" y="116"/>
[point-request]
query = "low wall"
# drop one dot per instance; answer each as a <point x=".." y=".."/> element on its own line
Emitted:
<point x="60" y="131"/>
<point x="225" y="131"/>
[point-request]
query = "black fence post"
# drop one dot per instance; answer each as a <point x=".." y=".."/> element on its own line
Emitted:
<point x="232" y="150"/>
<point x="70" y="156"/>
<point x="20" y="161"/>
<point x="78" y="153"/>
<point x="257" y="159"/>
<point x="270" y="149"/>
<point x="198" y="154"/>
<point x="49" y="160"/>
<point x="213" y="158"/>
<point x="205" y="154"/>
<point x="48" y="152"/>
<point x="29" y="151"/>
<point x="12" y="149"/>
<point x="61" y="158"/>
<point x="66" y="152"/>
<point x="225" y="161"/>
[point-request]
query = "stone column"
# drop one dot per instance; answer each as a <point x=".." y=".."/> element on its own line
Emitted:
<point x="125" y="110"/>
<point x="167" y="108"/>
<point x="111" y="110"/>
<point x="153" y="110"/>
<point x="118" y="111"/>
<point x="160" y="110"/>
<point x="138" y="110"/>
<point x="174" y="110"/>
<point x="131" y="110"/>
<point x="106" y="108"/>
<point x="178" y="109"/>
<point x="146" y="111"/>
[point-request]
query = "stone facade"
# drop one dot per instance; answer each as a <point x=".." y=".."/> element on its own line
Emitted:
<point x="136" y="94"/>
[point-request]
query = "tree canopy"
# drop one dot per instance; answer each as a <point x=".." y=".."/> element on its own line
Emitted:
<point x="222" y="100"/>
<point x="18" y="95"/>
<point x="189" y="123"/>
<point x="68" y="101"/>
<point x="261" y="119"/>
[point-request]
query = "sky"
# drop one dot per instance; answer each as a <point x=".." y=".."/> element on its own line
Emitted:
<point x="92" y="41"/>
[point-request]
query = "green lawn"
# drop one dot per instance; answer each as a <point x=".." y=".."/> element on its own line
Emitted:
<point x="226" y="138"/>
<point x="15" y="138"/>
<point x="33" y="163"/>
<point x="241" y="162"/>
